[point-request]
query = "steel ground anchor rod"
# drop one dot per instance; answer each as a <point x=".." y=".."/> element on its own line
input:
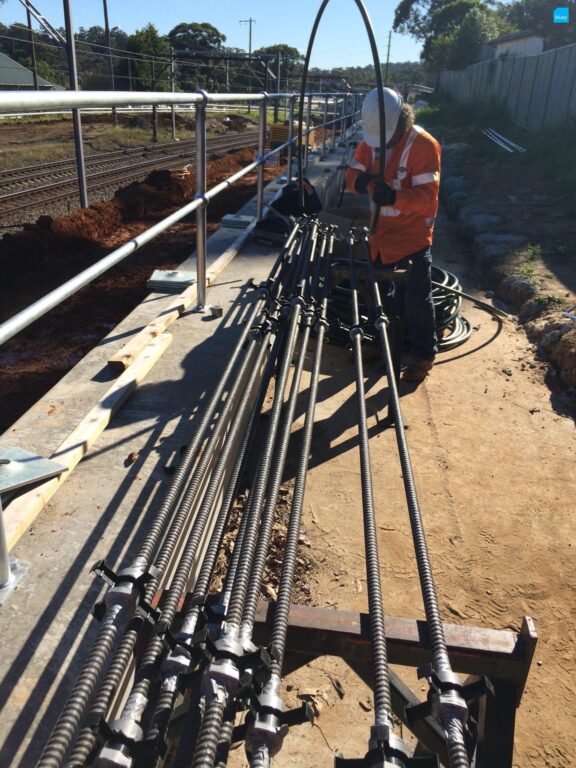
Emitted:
<point x="256" y="333"/>
<point x="222" y="677"/>
<point x="128" y="722"/>
<point x="178" y="660"/>
<point x="122" y="596"/>
<point x="448" y="705"/>
<point x="384" y="747"/>
<point x="266" y="734"/>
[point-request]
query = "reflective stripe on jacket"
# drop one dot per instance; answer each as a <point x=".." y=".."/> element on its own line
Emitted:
<point x="413" y="170"/>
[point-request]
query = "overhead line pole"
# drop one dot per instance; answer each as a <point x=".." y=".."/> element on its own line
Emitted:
<point x="111" y="62"/>
<point x="387" y="58"/>
<point x="32" y="48"/>
<point x="249" y="21"/>
<point x="73" y="75"/>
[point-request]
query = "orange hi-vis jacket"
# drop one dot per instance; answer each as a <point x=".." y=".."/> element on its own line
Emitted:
<point x="413" y="170"/>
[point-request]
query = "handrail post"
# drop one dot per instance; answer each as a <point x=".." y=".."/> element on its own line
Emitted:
<point x="334" y="124"/>
<point x="261" y="153"/>
<point x="308" y="134"/>
<point x="6" y="577"/>
<point x="290" y="137"/>
<point x="325" y="127"/>
<point x="343" y="122"/>
<point x="201" y="226"/>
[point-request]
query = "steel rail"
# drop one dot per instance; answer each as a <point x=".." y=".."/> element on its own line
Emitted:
<point x="451" y="708"/>
<point x="23" y="173"/>
<point x="105" y="178"/>
<point x="34" y="311"/>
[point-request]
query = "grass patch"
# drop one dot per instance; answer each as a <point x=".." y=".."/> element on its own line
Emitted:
<point x="550" y="299"/>
<point x="451" y="121"/>
<point x="33" y="154"/>
<point x="551" y="152"/>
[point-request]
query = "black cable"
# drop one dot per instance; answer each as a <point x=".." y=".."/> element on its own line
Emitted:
<point x="452" y="329"/>
<point x="379" y="86"/>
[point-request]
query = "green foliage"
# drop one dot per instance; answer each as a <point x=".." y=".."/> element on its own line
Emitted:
<point x="536" y="15"/>
<point x="452" y="31"/>
<point x="289" y="56"/>
<point x="479" y="25"/>
<point x="147" y="74"/>
<point x="196" y="37"/>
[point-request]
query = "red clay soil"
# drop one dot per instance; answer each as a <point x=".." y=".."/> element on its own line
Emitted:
<point x="42" y="256"/>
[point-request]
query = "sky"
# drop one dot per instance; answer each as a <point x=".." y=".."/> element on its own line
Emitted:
<point x="341" y="39"/>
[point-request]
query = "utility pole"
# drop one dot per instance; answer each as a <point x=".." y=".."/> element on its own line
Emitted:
<point x="387" y="58"/>
<point x="173" y="88"/>
<point x="111" y="62"/>
<point x="73" y="77"/>
<point x="278" y="86"/>
<point x="249" y="21"/>
<point x="32" y="49"/>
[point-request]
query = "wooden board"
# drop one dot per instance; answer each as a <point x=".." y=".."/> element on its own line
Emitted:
<point x="125" y="356"/>
<point x="19" y="515"/>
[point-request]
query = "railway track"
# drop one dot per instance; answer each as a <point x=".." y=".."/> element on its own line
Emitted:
<point x="31" y="186"/>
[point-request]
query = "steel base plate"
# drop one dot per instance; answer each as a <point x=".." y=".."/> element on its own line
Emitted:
<point x="17" y="571"/>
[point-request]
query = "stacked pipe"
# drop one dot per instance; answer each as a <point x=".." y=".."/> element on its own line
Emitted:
<point x="164" y="638"/>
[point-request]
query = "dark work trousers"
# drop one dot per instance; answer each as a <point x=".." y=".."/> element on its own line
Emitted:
<point x="419" y="329"/>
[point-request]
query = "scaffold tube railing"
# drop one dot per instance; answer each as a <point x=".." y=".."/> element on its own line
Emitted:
<point x="15" y="102"/>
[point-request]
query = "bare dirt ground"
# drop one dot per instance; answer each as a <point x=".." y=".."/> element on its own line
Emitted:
<point x="492" y="440"/>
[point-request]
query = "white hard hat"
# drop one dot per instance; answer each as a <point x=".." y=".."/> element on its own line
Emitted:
<point x="371" y="116"/>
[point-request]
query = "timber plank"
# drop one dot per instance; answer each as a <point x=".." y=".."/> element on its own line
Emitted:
<point x="21" y="513"/>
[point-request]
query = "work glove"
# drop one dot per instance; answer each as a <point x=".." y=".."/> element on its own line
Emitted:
<point x="383" y="194"/>
<point x="362" y="181"/>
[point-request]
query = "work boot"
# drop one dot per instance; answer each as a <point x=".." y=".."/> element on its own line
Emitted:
<point x="417" y="369"/>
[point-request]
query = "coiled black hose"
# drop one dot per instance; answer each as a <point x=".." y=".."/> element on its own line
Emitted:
<point x="452" y="329"/>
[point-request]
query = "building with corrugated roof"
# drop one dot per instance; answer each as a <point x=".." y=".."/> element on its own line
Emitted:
<point x="15" y="77"/>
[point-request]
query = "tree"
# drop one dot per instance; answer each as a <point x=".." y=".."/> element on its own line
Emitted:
<point x="290" y="60"/>
<point x="146" y="71"/>
<point x="447" y="27"/>
<point x="478" y="26"/>
<point x="536" y="16"/>
<point x="196" y="37"/>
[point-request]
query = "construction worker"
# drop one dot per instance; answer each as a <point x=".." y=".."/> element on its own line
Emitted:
<point x="407" y="201"/>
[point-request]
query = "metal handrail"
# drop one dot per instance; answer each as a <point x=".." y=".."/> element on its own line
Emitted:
<point x="18" y="101"/>
<point x="34" y="311"/>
